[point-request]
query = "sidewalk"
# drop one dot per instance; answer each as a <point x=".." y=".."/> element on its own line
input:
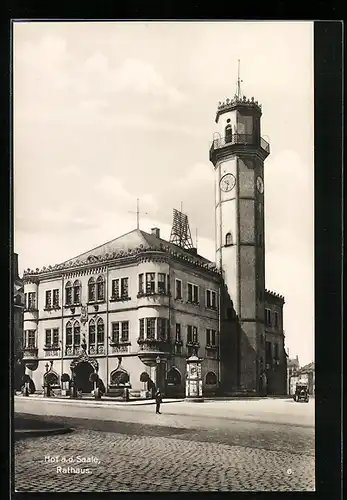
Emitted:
<point x="105" y="401"/>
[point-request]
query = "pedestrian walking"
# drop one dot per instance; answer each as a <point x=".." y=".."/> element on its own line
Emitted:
<point x="158" y="400"/>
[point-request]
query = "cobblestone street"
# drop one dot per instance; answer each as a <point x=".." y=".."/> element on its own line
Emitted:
<point x="136" y="450"/>
<point x="147" y="463"/>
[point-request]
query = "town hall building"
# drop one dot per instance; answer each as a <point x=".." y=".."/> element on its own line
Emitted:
<point x="134" y="309"/>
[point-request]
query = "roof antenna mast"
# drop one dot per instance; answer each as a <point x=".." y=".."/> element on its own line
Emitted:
<point x="239" y="81"/>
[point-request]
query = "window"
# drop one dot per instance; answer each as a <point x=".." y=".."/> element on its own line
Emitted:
<point x="25" y="300"/>
<point x="150" y="332"/>
<point x="192" y="334"/>
<point x="115" y="289"/>
<point x="91" y="290"/>
<point x="228" y="239"/>
<point x="91" y="332"/>
<point x="56" y="297"/>
<point x="189" y="334"/>
<point x="161" y="283"/>
<point x="125" y="331"/>
<point x="276" y="355"/>
<point x="141" y="329"/>
<point x="52" y="337"/>
<point x="76" y="334"/>
<point x="210" y="337"/>
<point x="150" y="283"/>
<point x="31" y="339"/>
<point x="68" y="293"/>
<point x="168" y="284"/>
<point x="31" y="300"/>
<point x="268" y="352"/>
<point x="178" y="332"/>
<point x="100" y="331"/>
<point x="100" y="288"/>
<point x="115" y="332"/>
<point x="178" y="289"/>
<point x="193" y="293"/>
<point x="211" y="299"/>
<point x="228" y="133"/>
<point x="211" y="378"/>
<point x="76" y="292"/>
<point x="276" y="319"/>
<point x="141" y="283"/>
<point x="68" y="334"/>
<point x="268" y="317"/>
<point x="124" y="288"/>
<point x="162" y="328"/>
<point x="48" y="304"/>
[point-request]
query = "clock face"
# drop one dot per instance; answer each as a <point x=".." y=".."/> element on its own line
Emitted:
<point x="260" y="185"/>
<point x="227" y="182"/>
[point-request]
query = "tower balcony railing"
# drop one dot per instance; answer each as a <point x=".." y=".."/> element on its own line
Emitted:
<point x="239" y="139"/>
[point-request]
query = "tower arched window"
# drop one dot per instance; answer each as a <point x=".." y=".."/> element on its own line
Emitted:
<point x="100" y="288"/>
<point x="211" y="378"/>
<point x="76" y="334"/>
<point x="91" y="332"/>
<point x="68" y="336"/>
<point x="91" y="290"/>
<point x="100" y="331"/>
<point x="228" y="133"/>
<point x="77" y="292"/>
<point x="68" y="293"/>
<point x="228" y="239"/>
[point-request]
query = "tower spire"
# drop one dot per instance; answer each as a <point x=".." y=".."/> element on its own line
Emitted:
<point x="239" y="81"/>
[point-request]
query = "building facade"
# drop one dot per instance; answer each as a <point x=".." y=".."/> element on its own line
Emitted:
<point x="135" y="305"/>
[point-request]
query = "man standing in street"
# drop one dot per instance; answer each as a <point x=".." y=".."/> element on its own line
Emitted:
<point x="158" y="400"/>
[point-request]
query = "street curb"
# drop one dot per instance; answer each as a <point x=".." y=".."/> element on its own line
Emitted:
<point x="23" y="433"/>
<point x="99" y="403"/>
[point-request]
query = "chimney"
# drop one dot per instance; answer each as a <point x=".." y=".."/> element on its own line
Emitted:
<point x="156" y="232"/>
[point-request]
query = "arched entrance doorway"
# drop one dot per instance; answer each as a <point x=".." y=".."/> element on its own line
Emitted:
<point x="82" y="374"/>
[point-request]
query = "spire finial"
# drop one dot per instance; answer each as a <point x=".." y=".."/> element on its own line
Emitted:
<point x="239" y="81"/>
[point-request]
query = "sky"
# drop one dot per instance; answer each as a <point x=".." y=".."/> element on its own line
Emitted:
<point x="108" y="112"/>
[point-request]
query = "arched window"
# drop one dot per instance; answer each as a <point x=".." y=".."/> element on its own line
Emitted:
<point x="174" y="377"/>
<point x="76" y="334"/>
<point x="76" y="292"/>
<point x="68" y="293"/>
<point x="228" y="239"/>
<point x="100" y="331"/>
<point x="91" y="332"/>
<point x="68" y="334"/>
<point x="52" y="379"/>
<point x="228" y="133"/>
<point x="100" y="288"/>
<point x="91" y="290"/>
<point x="119" y="378"/>
<point x="211" y="378"/>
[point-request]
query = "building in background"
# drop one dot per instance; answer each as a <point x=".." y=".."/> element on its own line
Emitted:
<point x="17" y="332"/>
<point x="293" y="366"/>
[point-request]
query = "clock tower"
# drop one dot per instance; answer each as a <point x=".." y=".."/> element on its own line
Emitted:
<point x="238" y="153"/>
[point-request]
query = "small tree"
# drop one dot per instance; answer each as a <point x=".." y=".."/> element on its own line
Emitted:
<point x="65" y="377"/>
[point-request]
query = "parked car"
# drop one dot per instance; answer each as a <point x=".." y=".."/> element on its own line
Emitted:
<point x="301" y="393"/>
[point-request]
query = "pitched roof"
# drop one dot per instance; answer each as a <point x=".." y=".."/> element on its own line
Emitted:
<point x="292" y="362"/>
<point x="130" y="241"/>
